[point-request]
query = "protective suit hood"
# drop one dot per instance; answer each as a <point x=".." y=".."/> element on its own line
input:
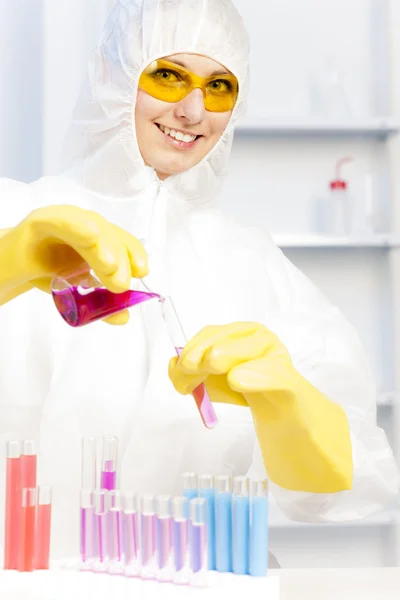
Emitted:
<point x="101" y="150"/>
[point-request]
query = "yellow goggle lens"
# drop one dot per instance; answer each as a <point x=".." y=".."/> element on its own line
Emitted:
<point x="170" y="82"/>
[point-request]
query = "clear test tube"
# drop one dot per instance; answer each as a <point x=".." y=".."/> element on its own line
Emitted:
<point x="190" y="487"/>
<point x="13" y="506"/>
<point x="259" y="528"/>
<point x="88" y="538"/>
<point x="198" y="542"/>
<point x="115" y="532"/>
<point x="131" y="535"/>
<point x="100" y="500"/>
<point x="206" y="491"/>
<point x="164" y="539"/>
<point x="108" y="476"/>
<point x="89" y="464"/>
<point x="43" y="528"/>
<point x="223" y="523"/>
<point x="240" y="526"/>
<point x="148" y="538"/>
<point x="180" y="539"/>
<point x="28" y="464"/>
<point x="27" y="531"/>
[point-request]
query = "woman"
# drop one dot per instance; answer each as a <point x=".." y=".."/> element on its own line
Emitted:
<point x="146" y="153"/>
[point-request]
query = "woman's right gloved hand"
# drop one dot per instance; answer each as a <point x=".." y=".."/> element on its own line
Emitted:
<point x="54" y="239"/>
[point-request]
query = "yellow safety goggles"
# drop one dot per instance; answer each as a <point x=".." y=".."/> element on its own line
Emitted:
<point x="164" y="80"/>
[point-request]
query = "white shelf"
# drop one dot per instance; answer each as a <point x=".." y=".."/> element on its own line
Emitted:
<point x="379" y="127"/>
<point x="384" y="518"/>
<point x="383" y="240"/>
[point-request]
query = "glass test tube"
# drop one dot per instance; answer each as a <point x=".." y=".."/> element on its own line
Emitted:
<point x="164" y="539"/>
<point x="115" y="532"/>
<point x="206" y="491"/>
<point x="13" y="506"/>
<point x="100" y="500"/>
<point x="27" y="530"/>
<point x="223" y="523"/>
<point x="198" y="542"/>
<point x="88" y="538"/>
<point x="259" y="528"/>
<point x="43" y="528"/>
<point x="240" y="526"/>
<point x="131" y="535"/>
<point x="28" y="465"/>
<point x="190" y="490"/>
<point x="148" y="538"/>
<point x="180" y="539"/>
<point x="108" y="477"/>
<point x="178" y="338"/>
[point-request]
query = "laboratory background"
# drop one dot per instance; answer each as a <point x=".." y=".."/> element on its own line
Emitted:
<point x="316" y="162"/>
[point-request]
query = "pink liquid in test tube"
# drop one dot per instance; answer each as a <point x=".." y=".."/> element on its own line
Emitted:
<point x="108" y="478"/>
<point x="27" y="531"/>
<point x="87" y="532"/>
<point x="115" y="532"/>
<point x="198" y="542"/>
<point x="180" y="540"/>
<point x="13" y="506"/>
<point x="148" y="539"/>
<point x="43" y="529"/>
<point x="164" y="539"/>
<point x="130" y="535"/>
<point x="102" y="529"/>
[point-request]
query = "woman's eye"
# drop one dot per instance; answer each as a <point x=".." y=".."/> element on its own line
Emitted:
<point x="166" y="76"/>
<point x="220" y="85"/>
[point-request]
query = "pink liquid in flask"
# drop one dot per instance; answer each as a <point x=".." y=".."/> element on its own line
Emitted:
<point x="79" y="306"/>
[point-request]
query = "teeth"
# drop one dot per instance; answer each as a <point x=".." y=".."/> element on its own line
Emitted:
<point x="178" y="135"/>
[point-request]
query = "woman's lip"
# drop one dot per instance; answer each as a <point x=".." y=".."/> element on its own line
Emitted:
<point x="177" y="144"/>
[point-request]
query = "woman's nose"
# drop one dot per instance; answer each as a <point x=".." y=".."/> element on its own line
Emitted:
<point x="191" y="108"/>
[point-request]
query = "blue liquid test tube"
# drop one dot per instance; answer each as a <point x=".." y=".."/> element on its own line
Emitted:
<point x="223" y="523"/>
<point x="206" y="491"/>
<point x="259" y="528"/>
<point x="240" y="526"/>
<point x="190" y="490"/>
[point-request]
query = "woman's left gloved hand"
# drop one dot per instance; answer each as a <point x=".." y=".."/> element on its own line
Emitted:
<point x="304" y="436"/>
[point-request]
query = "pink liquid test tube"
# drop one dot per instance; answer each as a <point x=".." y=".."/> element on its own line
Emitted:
<point x="198" y="542"/>
<point x="13" y="506"/>
<point x="131" y="535"/>
<point x="27" y="530"/>
<point x="164" y="539"/>
<point x="148" y="546"/>
<point x="43" y="529"/>
<point x="102" y="559"/>
<point x="180" y="540"/>
<point x="88" y="537"/>
<point x="108" y="476"/>
<point x="115" y="532"/>
<point x="88" y="540"/>
<point x="178" y="338"/>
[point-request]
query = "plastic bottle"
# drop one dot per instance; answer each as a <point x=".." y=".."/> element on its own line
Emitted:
<point x="340" y="222"/>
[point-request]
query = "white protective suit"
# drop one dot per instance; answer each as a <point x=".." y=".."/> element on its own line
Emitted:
<point x="58" y="383"/>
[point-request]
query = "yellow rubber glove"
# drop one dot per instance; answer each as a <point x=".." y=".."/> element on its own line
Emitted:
<point x="54" y="239"/>
<point x="304" y="436"/>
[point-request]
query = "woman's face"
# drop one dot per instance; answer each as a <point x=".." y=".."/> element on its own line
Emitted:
<point x="156" y="120"/>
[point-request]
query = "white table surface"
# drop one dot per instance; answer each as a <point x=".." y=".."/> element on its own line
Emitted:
<point x="283" y="584"/>
<point x="340" y="584"/>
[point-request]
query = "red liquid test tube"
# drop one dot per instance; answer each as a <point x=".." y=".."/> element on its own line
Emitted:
<point x="27" y="532"/>
<point x="13" y="506"/>
<point x="43" y="529"/>
<point x="28" y="465"/>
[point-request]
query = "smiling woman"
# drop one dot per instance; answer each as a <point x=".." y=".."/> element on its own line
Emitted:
<point x="184" y="104"/>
